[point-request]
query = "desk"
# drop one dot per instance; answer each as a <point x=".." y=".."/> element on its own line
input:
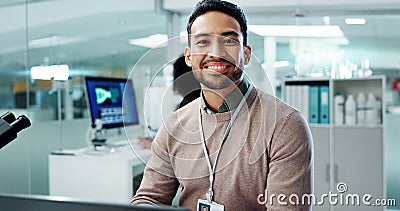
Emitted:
<point x="100" y="177"/>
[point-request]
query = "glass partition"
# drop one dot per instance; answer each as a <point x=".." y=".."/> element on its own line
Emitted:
<point x="14" y="157"/>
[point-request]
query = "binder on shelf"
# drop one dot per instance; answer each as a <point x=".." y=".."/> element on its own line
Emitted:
<point x="305" y="92"/>
<point x="288" y="95"/>
<point x="324" y="104"/>
<point x="292" y="97"/>
<point x="297" y="97"/>
<point x="313" y="111"/>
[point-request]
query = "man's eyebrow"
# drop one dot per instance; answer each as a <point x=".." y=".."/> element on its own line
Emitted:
<point x="234" y="33"/>
<point x="202" y="35"/>
<point x="227" y="33"/>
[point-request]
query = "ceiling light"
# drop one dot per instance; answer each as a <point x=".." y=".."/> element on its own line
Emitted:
<point x="52" y="41"/>
<point x="52" y="72"/>
<point x="44" y="42"/>
<point x="296" y="31"/>
<point x="355" y="21"/>
<point x="152" y="41"/>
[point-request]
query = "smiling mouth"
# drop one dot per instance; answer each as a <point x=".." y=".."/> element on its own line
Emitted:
<point x="217" y="68"/>
<point x="220" y="66"/>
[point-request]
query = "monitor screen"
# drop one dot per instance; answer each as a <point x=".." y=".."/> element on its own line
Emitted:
<point x="112" y="100"/>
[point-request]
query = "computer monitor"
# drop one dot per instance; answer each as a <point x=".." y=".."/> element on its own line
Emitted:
<point x="112" y="100"/>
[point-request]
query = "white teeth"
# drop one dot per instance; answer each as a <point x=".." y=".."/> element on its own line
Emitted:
<point x="216" y="67"/>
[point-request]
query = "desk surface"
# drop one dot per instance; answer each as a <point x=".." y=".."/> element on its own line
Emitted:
<point x="104" y="176"/>
<point x="113" y="152"/>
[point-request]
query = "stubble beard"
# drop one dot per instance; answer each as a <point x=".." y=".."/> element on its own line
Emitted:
<point x="217" y="81"/>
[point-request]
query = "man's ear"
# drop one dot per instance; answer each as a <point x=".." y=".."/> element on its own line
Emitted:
<point x="247" y="54"/>
<point x="187" y="57"/>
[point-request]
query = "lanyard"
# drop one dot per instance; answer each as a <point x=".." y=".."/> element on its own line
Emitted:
<point x="211" y="168"/>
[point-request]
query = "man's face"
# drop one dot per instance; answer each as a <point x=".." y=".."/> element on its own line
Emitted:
<point x="216" y="53"/>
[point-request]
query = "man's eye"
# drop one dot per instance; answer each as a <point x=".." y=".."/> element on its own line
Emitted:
<point x="202" y="42"/>
<point x="230" y="41"/>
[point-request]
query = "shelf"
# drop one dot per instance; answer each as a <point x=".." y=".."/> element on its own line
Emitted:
<point x="319" y="125"/>
<point x="306" y="79"/>
<point x="307" y="82"/>
<point x="356" y="126"/>
<point x="375" y="77"/>
<point x="341" y="151"/>
<point x="295" y="92"/>
<point x="344" y="126"/>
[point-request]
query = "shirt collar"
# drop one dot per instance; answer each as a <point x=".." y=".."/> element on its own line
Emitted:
<point x="231" y="101"/>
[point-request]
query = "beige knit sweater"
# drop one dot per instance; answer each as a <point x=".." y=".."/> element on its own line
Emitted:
<point x="268" y="151"/>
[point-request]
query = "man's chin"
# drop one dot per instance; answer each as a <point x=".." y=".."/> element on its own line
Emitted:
<point x="215" y="80"/>
<point x="218" y="86"/>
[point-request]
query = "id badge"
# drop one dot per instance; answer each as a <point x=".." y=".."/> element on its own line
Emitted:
<point x="203" y="205"/>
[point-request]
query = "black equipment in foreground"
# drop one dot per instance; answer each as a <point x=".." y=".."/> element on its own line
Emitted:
<point x="51" y="203"/>
<point x="10" y="126"/>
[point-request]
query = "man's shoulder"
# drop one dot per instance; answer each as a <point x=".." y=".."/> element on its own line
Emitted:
<point x="189" y="109"/>
<point x="184" y="115"/>
<point x="180" y="125"/>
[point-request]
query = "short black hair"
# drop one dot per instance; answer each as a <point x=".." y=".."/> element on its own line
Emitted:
<point x="228" y="8"/>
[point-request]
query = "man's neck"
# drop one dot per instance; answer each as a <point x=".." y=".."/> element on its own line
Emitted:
<point x="215" y="98"/>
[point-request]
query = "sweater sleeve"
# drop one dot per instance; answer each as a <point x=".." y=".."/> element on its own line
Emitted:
<point x="159" y="184"/>
<point x="290" y="165"/>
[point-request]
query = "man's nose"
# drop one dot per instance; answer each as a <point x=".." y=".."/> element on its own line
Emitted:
<point x="216" y="50"/>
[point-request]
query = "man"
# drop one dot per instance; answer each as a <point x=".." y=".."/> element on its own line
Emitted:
<point x="235" y="147"/>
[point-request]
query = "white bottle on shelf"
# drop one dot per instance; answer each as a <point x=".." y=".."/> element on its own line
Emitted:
<point x="378" y="111"/>
<point x="361" y="108"/>
<point x="339" y="108"/>
<point x="370" y="110"/>
<point x="350" y="110"/>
